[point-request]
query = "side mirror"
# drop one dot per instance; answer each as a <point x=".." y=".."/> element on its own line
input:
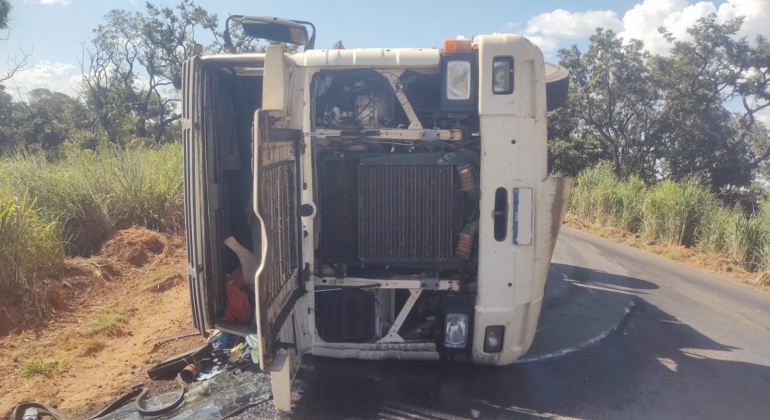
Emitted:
<point x="272" y="29"/>
<point x="275" y="29"/>
<point x="556" y="86"/>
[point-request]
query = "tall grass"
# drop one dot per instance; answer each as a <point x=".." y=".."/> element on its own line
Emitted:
<point x="602" y="198"/>
<point x="30" y="247"/>
<point x="674" y="213"/>
<point x="49" y="210"/>
<point x="93" y="194"/>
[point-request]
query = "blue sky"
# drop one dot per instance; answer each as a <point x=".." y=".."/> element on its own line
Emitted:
<point x="54" y="30"/>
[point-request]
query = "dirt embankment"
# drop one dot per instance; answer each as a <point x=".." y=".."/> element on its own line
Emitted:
<point x="108" y="307"/>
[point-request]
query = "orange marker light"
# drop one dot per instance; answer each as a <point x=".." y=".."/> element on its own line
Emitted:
<point x="454" y="46"/>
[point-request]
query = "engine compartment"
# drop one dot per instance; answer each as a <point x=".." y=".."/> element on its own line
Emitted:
<point x="391" y="207"/>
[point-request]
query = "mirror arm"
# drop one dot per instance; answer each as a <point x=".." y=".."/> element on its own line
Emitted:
<point x="311" y="42"/>
<point x="228" y="47"/>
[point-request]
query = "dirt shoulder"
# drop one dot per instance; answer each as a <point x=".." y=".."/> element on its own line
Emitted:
<point x="133" y="292"/>
<point x="720" y="264"/>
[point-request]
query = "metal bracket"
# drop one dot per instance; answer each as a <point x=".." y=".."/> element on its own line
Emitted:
<point x="429" y="280"/>
<point x="395" y="83"/>
<point x="431" y="135"/>
<point x="393" y="336"/>
<point x="285" y="346"/>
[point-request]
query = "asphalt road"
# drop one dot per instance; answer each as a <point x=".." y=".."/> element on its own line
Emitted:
<point x="623" y="335"/>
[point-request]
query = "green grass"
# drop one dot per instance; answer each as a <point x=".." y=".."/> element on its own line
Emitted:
<point x="106" y="323"/>
<point x="32" y="368"/>
<point x="673" y="210"/>
<point x="53" y="209"/>
<point x="91" y="195"/>
<point x="31" y="248"/>
<point x="673" y="213"/>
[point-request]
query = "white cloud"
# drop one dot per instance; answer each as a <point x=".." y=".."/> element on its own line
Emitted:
<point x="57" y="76"/>
<point x="546" y="43"/>
<point x="547" y="29"/>
<point x="643" y="20"/>
<point x="550" y="30"/>
<point x="567" y="25"/>
<point x="62" y="2"/>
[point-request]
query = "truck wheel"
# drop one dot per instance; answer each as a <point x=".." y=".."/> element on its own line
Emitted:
<point x="556" y="86"/>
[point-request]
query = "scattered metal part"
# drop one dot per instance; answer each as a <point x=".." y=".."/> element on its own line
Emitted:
<point x="190" y="372"/>
<point x="168" y="338"/>
<point x="176" y="363"/>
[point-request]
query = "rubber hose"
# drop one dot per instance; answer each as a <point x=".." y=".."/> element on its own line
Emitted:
<point x="472" y="156"/>
<point x="163" y="410"/>
<point x="18" y="412"/>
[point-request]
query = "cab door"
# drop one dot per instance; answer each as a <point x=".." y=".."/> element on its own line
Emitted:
<point x="196" y="229"/>
<point x="277" y="198"/>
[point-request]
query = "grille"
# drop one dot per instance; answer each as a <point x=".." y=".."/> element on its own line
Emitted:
<point x="407" y="213"/>
<point x="278" y="198"/>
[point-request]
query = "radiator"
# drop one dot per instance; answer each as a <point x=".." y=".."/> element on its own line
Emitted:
<point x="407" y="213"/>
<point x="280" y="227"/>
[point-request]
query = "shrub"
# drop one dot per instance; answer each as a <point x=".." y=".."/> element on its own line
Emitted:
<point x="32" y="368"/>
<point x="106" y="323"/>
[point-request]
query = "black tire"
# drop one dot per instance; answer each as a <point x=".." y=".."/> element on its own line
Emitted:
<point x="556" y="86"/>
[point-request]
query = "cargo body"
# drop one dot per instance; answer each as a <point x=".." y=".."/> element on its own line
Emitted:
<point x="397" y="201"/>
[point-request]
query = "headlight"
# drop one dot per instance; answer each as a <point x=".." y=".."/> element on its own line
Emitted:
<point x="458" y="80"/>
<point x="456" y="331"/>
<point x="502" y="75"/>
<point x="493" y="339"/>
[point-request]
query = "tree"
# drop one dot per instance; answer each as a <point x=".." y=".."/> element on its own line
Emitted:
<point x="6" y="119"/>
<point x="571" y="150"/>
<point x="5" y="14"/>
<point x="613" y="104"/>
<point x="701" y="79"/>
<point x="45" y="121"/>
<point x="134" y="57"/>
<point x="14" y="63"/>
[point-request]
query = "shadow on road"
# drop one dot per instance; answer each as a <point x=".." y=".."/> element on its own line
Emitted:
<point x="648" y="365"/>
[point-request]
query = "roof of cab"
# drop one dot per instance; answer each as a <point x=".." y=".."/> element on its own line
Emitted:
<point x="370" y="57"/>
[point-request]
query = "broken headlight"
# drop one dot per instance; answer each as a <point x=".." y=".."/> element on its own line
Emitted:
<point x="455" y="331"/>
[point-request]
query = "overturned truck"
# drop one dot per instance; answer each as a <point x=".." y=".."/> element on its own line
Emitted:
<point x="396" y="201"/>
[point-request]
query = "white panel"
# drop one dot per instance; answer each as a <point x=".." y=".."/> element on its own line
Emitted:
<point x="274" y="85"/>
<point x="514" y="156"/>
<point x="522" y="216"/>
<point x="371" y="57"/>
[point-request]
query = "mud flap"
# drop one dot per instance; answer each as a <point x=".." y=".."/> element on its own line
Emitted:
<point x="280" y="381"/>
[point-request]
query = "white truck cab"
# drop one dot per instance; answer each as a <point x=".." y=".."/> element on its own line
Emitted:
<point x="397" y="199"/>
